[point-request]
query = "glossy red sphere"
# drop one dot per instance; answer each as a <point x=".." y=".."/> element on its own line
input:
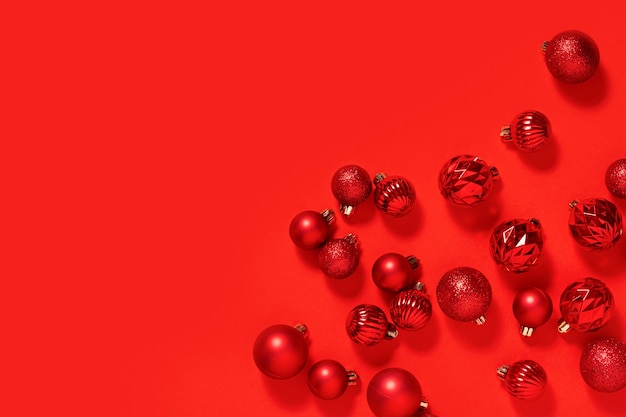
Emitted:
<point x="524" y="379"/>
<point x="394" y="272"/>
<point x="571" y="56"/>
<point x="351" y="185"/>
<point x="466" y="180"/>
<point x="394" y="392"/>
<point x="339" y="258"/>
<point x="464" y="294"/>
<point x="393" y="195"/>
<point x="615" y="178"/>
<point x="585" y="306"/>
<point x="311" y="229"/>
<point x="532" y="307"/>
<point x="603" y="364"/>
<point x="529" y="131"/>
<point x="281" y="351"/>
<point x="328" y="379"/>
<point x="367" y="325"/>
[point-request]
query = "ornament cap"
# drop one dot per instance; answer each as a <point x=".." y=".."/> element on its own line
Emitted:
<point x="328" y="215"/>
<point x="302" y="328"/>
<point x="392" y="332"/>
<point x="419" y="286"/>
<point x="573" y="203"/>
<point x="379" y="177"/>
<point x="536" y="222"/>
<point x="423" y="405"/>
<point x="544" y="46"/>
<point x="346" y="210"/>
<point x="480" y="320"/>
<point x="353" y="377"/>
<point x="494" y="173"/>
<point x="526" y="331"/>
<point x="505" y="133"/>
<point x="563" y="326"/>
<point x="413" y="261"/>
<point x="502" y="371"/>
<point x="351" y="238"/>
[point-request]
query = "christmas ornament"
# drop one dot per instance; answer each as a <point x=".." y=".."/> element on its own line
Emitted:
<point x="466" y="180"/>
<point x="524" y="379"/>
<point x="310" y="229"/>
<point x="464" y="294"/>
<point x="529" y="131"/>
<point x="394" y="272"/>
<point x="411" y="309"/>
<point x="615" y="178"/>
<point x="603" y="364"/>
<point x="595" y="223"/>
<point x="585" y="306"/>
<point x="532" y="307"/>
<point x="351" y="185"/>
<point x="281" y="351"/>
<point x="571" y="56"/>
<point x="328" y="379"/>
<point x="516" y="244"/>
<point x="394" y="195"/>
<point x="394" y="392"/>
<point x="339" y="258"/>
<point x="367" y="325"/>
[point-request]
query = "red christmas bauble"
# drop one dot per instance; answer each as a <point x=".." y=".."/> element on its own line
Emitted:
<point x="367" y="325"/>
<point x="595" y="223"/>
<point x="571" y="56"/>
<point x="393" y="195"/>
<point x="394" y="392"/>
<point x="281" y="351"/>
<point x="328" y="379"/>
<point x="517" y="244"/>
<point x="529" y="131"/>
<point x="339" y="258"/>
<point x="524" y="379"/>
<point x="603" y="364"/>
<point x="532" y="307"/>
<point x="351" y="185"/>
<point x="585" y="306"/>
<point x="464" y="294"/>
<point x="466" y="180"/>
<point x="394" y="272"/>
<point x="615" y="178"/>
<point x="310" y="229"/>
<point x="411" y="309"/>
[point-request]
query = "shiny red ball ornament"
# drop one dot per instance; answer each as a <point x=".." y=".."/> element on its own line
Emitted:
<point x="525" y="379"/>
<point x="339" y="258"/>
<point x="367" y="325"/>
<point x="411" y="309"/>
<point x="615" y="178"/>
<point x="603" y="364"/>
<point x="393" y="195"/>
<point x="393" y="272"/>
<point x="464" y="294"/>
<point x="595" y="223"/>
<point x="394" y="392"/>
<point x="585" y="306"/>
<point x="281" y="351"/>
<point x="529" y="131"/>
<point x="532" y="307"/>
<point x="311" y="229"/>
<point x="351" y="185"/>
<point x="516" y="244"/>
<point x="328" y="379"/>
<point x="571" y="56"/>
<point x="466" y="180"/>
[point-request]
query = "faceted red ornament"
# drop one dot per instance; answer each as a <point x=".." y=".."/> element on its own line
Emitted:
<point x="367" y="325"/>
<point x="339" y="258"/>
<point x="615" y="178"/>
<point x="464" y="294"/>
<point x="281" y="351"/>
<point x="466" y="180"/>
<point x="351" y="185"/>
<point x="595" y="223"/>
<point x="529" y="131"/>
<point x="394" y="392"/>
<point x="524" y="379"/>
<point x="516" y="244"/>
<point x="411" y="309"/>
<point x="394" y="272"/>
<point x="532" y="307"/>
<point x="585" y="306"/>
<point x="310" y="229"/>
<point x="328" y="379"/>
<point x="603" y="364"/>
<point x="571" y="56"/>
<point x="394" y="195"/>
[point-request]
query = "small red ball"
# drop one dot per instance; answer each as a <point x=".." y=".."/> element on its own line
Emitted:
<point x="351" y="185"/>
<point x="393" y="272"/>
<point x="339" y="258"/>
<point x="310" y="229"/>
<point x="532" y="307"/>
<point x="328" y="379"/>
<point x="464" y="294"/>
<point x="281" y="351"/>
<point x="394" y="392"/>
<point x="572" y="56"/>
<point x="603" y="364"/>
<point x="615" y="178"/>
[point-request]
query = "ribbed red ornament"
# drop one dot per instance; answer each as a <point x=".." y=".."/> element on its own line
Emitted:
<point x="311" y="229"/>
<point x="466" y="180"/>
<point x="603" y="364"/>
<point x="281" y="351"/>
<point x="529" y="131"/>
<point x="525" y="379"/>
<point x="615" y="178"/>
<point x="517" y="244"/>
<point x="393" y="272"/>
<point x="367" y="325"/>
<point x="532" y="307"/>
<point x="595" y="223"/>
<point x="464" y="294"/>
<point x="393" y="195"/>
<point x="339" y="258"/>
<point x="571" y="56"/>
<point x="351" y="185"/>
<point x="411" y="309"/>
<point x="328" y="379"/>
<point x="585" y="306"/>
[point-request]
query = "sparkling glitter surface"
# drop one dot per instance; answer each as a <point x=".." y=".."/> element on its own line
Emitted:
<point x="464" y="294"/>
<point x="339" y="258"/>
<point x="603" y="364"/>
<point x="615" y="178"/>
<point x="351" y="185"/>
<point x="572" y="56"/>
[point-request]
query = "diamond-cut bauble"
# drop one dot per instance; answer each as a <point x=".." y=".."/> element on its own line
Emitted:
<point x="393" y="195"/>
<point x="529" y="131"/>
<point x="466" y="180"/>
<point x="516" y="244"/>
<point x="585" y="306"/>
<point x="595" y="223"/>
<point x="411" y="309"/>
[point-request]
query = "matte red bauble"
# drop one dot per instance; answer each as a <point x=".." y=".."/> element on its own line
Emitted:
<point x="281" y="351"/>
<point x="367" y="325"/>
<point x="603" y="364"/>
<point x="311" y="229"/>
<point x="585" y="306"/>
<point x="393" y="195"/>
<point x="328" y="379"/>
<point x="339" y="258"/>
<point x="615" y="178"/>
<point x="464" y="294"/>
<point x="595" y="223"/>
<point x="411" y="309"/>
<point x="524" y="379"/>
<point x="532" y="307"/>
<point x="571" y="56"/>
<point x="529" y="131"/>
<point x="351" y="185"/>
<point x="516" y="244"/>
<point x="394" y="392"/>
<point x="394" y="272"/>
<point x="466" y="180"/>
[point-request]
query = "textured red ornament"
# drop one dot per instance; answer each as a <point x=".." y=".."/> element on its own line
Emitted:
<point x="393" y="195"/>
<point x="466" y="180"/>
<point x="595" y="223"/>
<point x="394" y="392"/>
<point x="615" y="178"/>
<point x="328" y="379"/>
<point x="464" y="294"/>
<point x="517" y="244"/>
<point x="367" y="325"/>
<point x="394" y="272"/>
<point x="529" y="131"/>
<point x="532" y="307"/>
<point x="524" y="379"/>
<point x="411" y="309"/>
<point x="571" y="56"/>
<point x="585" y="306"/>
<point x="339" y="258"/>
<point x="351" y="185"/>
<point x="603" y="364"/>
<point x="310" y="229"/>
<point x="281" y="351"/>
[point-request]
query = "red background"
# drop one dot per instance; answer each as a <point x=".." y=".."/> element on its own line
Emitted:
<point x="164" y="149"/>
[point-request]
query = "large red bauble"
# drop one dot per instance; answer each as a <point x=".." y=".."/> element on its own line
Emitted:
<point x="529" y="131"/>
<point x="351" y="185"/>
<point x="571" y="56"/>
<point x="328" y="379"/>
<point x="464" y="294"/>
<point x="517" y="244"/>
<point x="394" y="392"/>
<point x="585" y="306"/>
<point x="525" y="379"/>
<point x="394" y="272"/>
<point x="367" y="325"/>
<point x="281" y="351"/>
<point x="393" y="195"/>
<point x="595" y="223"/>
<point x="339" y="258"/>
<point x="532" y="307"/>
<point x="310" y="229"/>
<point x="615" y="178"/>
<point x="411" y="309"/>
<point x="466" y="180"/>
<point x="603" y="364"/>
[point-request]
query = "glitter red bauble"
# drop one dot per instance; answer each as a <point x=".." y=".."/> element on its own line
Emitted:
<point x="585" y="306"/>
<point x="310" y="229"/>
<point x="603" y="364"/>
<point x="394" y="272"/>
<point x="595" y="223"/>
<point x="328" y="379"/>
<point x="615" y="178"/>
<point x="339" y="258"/>
<point x="281" y="351"/>
<point x="367" y="325"/>
<point x="351" y="185"/>
<point x="393" y="195"/>
<point x="394" y="392"/>
<point x="525" y="379"/>
<point x="466" y="180"/>
<point x="464" y="294"/>
<point x="529" y="131"/>
<point x="571" y="56"/>
<point x="516" y="244"/>
<point x="532" y="307"/>
<point x="411" y="309"/>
